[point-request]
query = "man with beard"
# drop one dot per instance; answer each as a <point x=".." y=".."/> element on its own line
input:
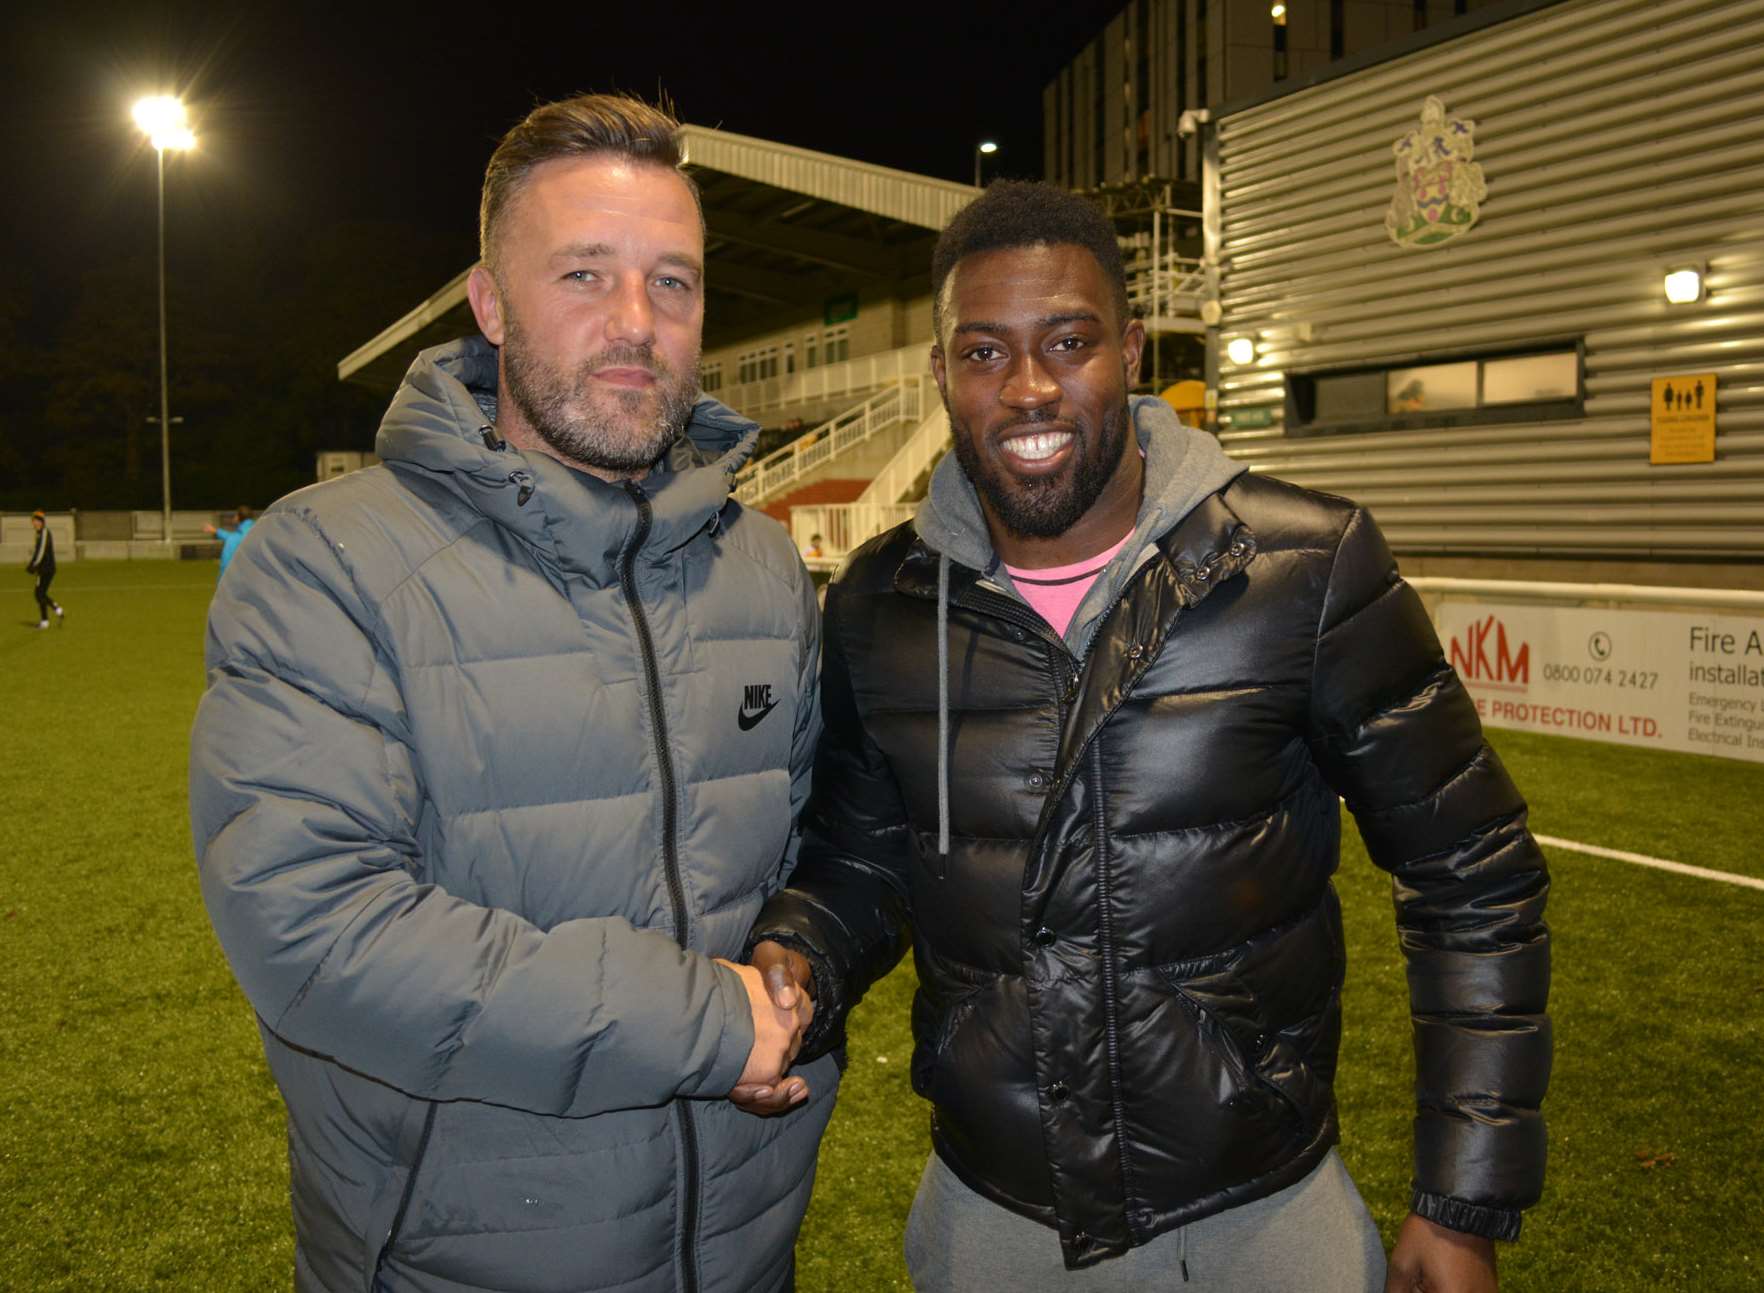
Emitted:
<point x="1087" y="719"/>
<point x="502" y="751"/>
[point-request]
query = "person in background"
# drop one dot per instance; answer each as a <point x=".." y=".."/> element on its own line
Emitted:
<point x="231" y="536"/>
<point x="814" y="548"/>
<point x="42" y="565"/>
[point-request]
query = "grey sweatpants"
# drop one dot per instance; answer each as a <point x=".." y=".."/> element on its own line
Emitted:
<point x="1312" y="1237"/>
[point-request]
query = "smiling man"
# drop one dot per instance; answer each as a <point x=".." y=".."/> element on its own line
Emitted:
<point x="1087" y="719"/>
<point x="502" y="751"/>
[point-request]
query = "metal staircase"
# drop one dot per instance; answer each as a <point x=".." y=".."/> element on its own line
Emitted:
<point x="848" y="443"/>
<point x="889" y="499"/>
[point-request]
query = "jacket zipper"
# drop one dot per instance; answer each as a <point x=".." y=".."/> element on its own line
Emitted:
<point x="671" y="865"/>
<point x="1111" y="1024"/>
<point x="1006" y="609"/>
<point x="410" y="1179"/>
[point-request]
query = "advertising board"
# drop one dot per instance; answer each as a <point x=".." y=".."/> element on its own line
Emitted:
<point x="1668" y="679"/>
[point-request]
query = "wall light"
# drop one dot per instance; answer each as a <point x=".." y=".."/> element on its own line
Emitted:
<point x="1240" y="350"/>
<point x="1684" y="285"/>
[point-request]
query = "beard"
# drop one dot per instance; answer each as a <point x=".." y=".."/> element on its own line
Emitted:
<point x="1044" y="507"/>
<point x="620" y="431"/>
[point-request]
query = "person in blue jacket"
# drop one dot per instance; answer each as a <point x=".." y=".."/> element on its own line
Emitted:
<point x="231" y="537"/>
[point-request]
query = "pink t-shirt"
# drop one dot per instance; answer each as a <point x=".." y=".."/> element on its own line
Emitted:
<point x="1056" y="591"/>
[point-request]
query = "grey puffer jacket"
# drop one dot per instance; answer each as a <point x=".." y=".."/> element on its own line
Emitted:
<point x="495" y="757"/>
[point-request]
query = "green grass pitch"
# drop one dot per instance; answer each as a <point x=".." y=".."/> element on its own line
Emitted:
<point x="141" y="1142"/>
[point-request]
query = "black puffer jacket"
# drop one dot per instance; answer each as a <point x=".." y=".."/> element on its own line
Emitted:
<point x="1130" y="961"/>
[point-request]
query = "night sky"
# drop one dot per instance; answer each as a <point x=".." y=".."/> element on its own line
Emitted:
<point x="335" y="186"/>
<point x="319" y="115"/>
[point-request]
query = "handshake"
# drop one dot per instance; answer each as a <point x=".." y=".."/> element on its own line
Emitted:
<point x="778" y="993"/>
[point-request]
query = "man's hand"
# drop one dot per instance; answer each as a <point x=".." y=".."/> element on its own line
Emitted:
<point x="777" y="1036"/>
<point x="788" y="985"/>
<point x="1429" y="1258"/>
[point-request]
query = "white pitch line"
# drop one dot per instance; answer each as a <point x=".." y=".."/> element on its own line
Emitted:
<point x="132" y="588"/>
<point x="1641" y="859"/>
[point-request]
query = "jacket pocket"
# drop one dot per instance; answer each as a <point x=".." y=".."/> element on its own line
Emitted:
<point x="1252" y="1090"/>
<point x="398" y="1202"/>
<point x="938" y="1016"/>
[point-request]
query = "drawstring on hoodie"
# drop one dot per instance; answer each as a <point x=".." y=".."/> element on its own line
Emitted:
<point x="522" y="481"/>
<point x="942" y="715"/>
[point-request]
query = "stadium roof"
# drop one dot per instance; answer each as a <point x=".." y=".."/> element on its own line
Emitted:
<point x="787" y="229"/>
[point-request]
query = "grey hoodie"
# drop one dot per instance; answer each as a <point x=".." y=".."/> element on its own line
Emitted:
<point x="1182" y="466"/>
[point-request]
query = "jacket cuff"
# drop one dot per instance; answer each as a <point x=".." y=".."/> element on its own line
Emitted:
<point x="737" y="1040"/>
<point x="825" y="1031"/>
<point x="1471" y="1218"/>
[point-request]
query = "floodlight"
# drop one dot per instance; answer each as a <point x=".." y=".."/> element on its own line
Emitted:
<point x="163" y="120"/>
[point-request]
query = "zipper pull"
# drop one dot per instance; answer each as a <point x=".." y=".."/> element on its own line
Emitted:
<point x="523" y="487"/>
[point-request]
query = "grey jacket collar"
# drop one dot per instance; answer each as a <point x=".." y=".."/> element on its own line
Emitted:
<point x="1183" y="467"/>
<point x="436" y="425"/>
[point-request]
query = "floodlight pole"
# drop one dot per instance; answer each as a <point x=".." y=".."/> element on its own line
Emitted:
<point x="981" y="150"/>
<point x="164" y="395"/>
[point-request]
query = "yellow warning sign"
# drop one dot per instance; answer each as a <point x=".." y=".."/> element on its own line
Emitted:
<point x="1682" y="419"/>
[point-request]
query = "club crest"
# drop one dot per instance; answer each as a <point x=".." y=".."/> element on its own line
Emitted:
<point x="1438" y="187"/>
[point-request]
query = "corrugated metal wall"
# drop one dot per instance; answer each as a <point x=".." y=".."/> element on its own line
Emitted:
<point x="1617" y="138"/>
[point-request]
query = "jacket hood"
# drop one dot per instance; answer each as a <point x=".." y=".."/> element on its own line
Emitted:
<point x="1182" y="467"/>
<point x="438" y="422"/>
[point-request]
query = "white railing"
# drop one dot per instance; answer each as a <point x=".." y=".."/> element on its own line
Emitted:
<point x="829" y="381"/>
<point x="780" y="471"/>
<point x="843" y="526"/>
<point x="1170" y="288"/>
<point x="916" y="457"/>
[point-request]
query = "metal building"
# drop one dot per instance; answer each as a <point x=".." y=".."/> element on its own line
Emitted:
<point x="1110" y="115"/>
<point x="1442" y="290"/>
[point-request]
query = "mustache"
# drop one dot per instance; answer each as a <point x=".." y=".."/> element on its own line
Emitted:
<point x="625" y="355"/>
<point x="1042" y="419"/>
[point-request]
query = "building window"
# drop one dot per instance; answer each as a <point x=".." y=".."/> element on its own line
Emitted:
<point x="1506" y="386"/>
<point x="1141" y="109"/>
<point x="1099" y="159"/>
<point x="1337" y="28"/>
<point x="710" y="376"/>
<point x="1280" y="61"/>
<point x="826" y="346"/>
<point x="836" y="344"/>
<point x="1200" y="53"/>
<point x="758" y="365"/>
<point x="1420" y="15"/>
<point x="1182" y="101"/>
